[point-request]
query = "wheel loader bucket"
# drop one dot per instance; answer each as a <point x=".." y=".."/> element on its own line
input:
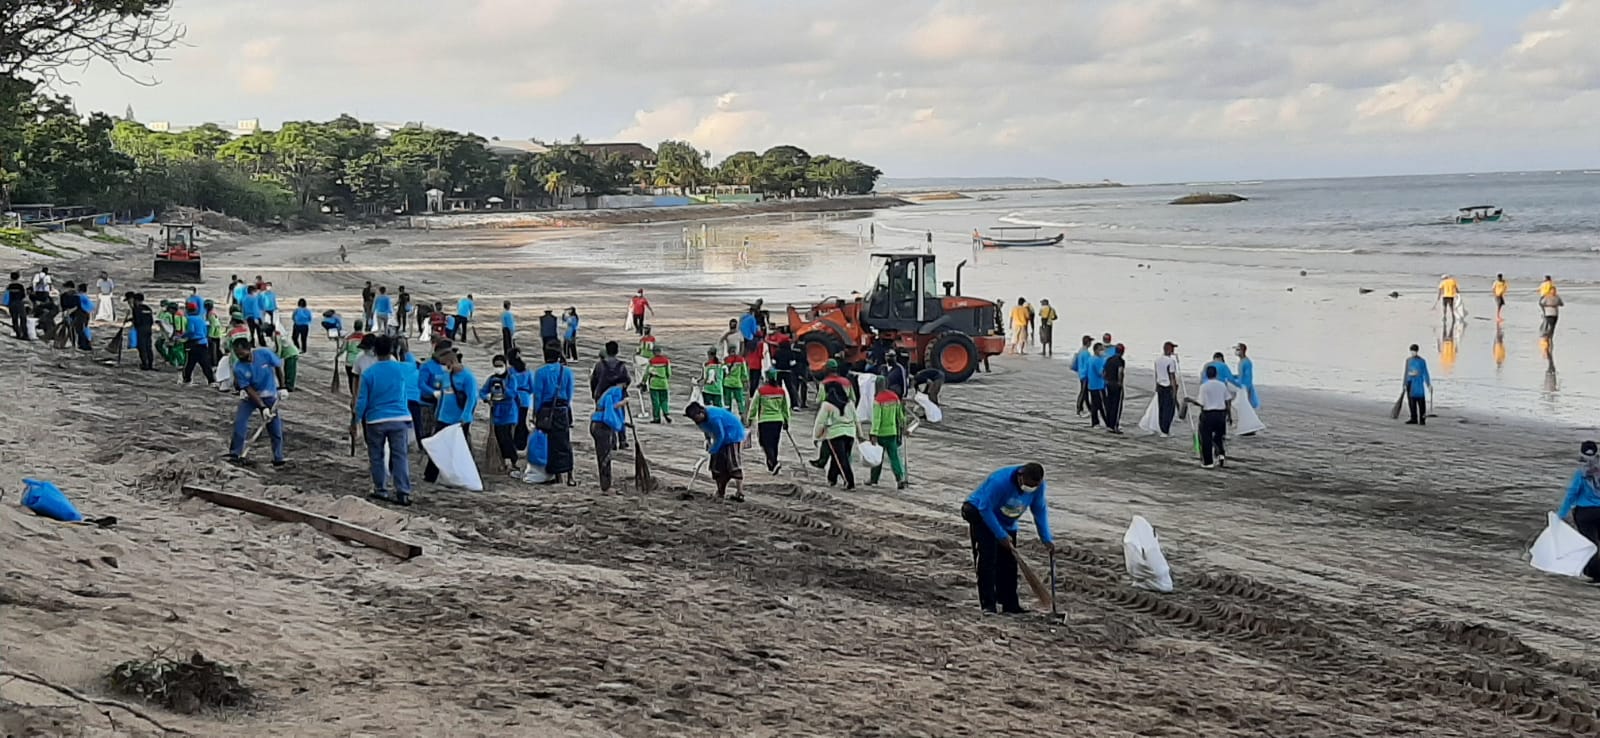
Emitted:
<point x="169" y="270"/>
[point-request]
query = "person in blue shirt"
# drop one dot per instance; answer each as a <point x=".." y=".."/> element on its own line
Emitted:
<point x="508" y="328"/>
<point x="198" y="347"/>
<point x="385" y="419"/>
<point x="240" y="289"/>
<point x="606" y="426"/>
<point x="431" y="379"/>
<point x="522" y="380"/>
<point x="550" y="447"/>
<point x="725" y="435"/>
<point x="302" y="326"/>
<point x="749" y="329"/>
<point x="464" y="309"/>
<point x="256" y="374"/>
<point x="1224" y="373"/>
<point x="1247" y="374"/>
<point x="1417" y="383"/>
<point x="992" y="512"/>
<point x="500" y="391"/>
<point x="1081" y="369"/>
<point x="269" y="304"/>
<point x="1094" y="374"/>
<point x="1582" y="503"/>
<point x="382" y="311"/>
<point x="457" y="398"/>
<point x="569" y="335"/>
<point x="408" y="366"/>
<point x="251" y="307"/>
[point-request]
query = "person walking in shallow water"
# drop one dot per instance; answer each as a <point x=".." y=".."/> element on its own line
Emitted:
<point x="1417" y="383"/>
<point x="1499" y="296"/>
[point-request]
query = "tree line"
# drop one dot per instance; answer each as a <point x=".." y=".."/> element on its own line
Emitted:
<point x="344" y="165"/>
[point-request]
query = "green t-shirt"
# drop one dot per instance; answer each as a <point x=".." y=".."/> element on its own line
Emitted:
<point x="771" y="406"/>
<point x="659" y="375"/>
<point x="737" y="375"/>
<point x="887" y="416"/>
<point x="711" y="379"/>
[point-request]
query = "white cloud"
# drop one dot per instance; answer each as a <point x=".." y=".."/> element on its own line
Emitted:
<point x="1077" y="90"/>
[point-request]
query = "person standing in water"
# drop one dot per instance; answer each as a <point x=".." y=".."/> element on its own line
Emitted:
<point x="1550" y="306"/>
<point x="1581" y="504"/>
<point x="1499" y="296"/>
<point x="1449" y="290"/>
<point x="1417" y="383"/>
<point x="1047" y="328"/>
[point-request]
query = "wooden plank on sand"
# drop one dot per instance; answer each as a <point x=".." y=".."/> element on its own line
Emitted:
<point x="332" y="526"/>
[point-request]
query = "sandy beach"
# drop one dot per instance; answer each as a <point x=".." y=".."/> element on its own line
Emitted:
<point x="1345" y="576"/>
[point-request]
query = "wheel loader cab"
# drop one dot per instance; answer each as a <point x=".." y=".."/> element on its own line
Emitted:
<point x="905" y="295"/>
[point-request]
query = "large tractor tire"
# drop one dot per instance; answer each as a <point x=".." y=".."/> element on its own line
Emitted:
<point x="955" y="354"/>
<point x="818" y="347"/>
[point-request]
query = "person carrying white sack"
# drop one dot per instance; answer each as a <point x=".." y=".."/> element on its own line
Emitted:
<point x="1582" y="503"/>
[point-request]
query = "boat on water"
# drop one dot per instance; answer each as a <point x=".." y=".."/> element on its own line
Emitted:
<point x="1480" y="214"/>
<point x="1013" y="237"/>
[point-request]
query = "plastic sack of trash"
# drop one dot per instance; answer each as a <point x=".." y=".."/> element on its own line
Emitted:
<point x="45" y="499"/>
<point x="1245" y="418"/>
<point x="449" y="451"/>
<point x="1560" y="549"/>
<point x="1141" y="551"/>
<point x="871" y="453"/>
<point x="932" y="411"/>
<point x="225" y="371"/>
<point x="866" y="393"/>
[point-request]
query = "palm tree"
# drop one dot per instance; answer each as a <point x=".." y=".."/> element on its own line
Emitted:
<point x="555" y="183"/>
<point x="514" y="182"/>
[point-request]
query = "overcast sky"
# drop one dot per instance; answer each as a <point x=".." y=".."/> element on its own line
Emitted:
<point x="1129" y="90"/>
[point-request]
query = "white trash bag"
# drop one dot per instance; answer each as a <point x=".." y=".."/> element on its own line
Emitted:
<point x="448" y="450"/>
<point x="866" y="397"/>
<point x="1245" y="418"/>
<point x="1141" y="551"/>
<point x="930" y="410"/>
<point x="1560" y="549"/>
<point x="871" y="454"/>
<point x="224" y="373"/>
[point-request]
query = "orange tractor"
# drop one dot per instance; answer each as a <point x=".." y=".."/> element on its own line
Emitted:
<point x="904" y="311"/>
<point x="179" y="257"/>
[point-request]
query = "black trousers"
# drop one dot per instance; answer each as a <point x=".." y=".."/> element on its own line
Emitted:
<point x="1113" y="406"/>
<point x="1083" y="395"/>
<point x="798" y="387"/>
<point x="1587" y="521"/>
<point x="1419" y="409"/>
<point x="302" y="337"/>
<point x="199" y="355"/>
<point x="1097" y="406"/>
<point x="431" y="472"/>
<point x="255" y="331"/>
<point x="80" y="324"/>
<point x="1213" y="428"/>
<point x="505" y="436"/>
<point x="838" y="451"/>
<point x="996" y="568"/>
<point x="145" y="343"/>
<point x="1166" y="406"/>
<point x="605" y="441"/>
<point x="19" y="321"/>
<point x="506" y="339"/>
<point x="638" y="323"/>
<point x="771" y="434"/>
<point x="519" y="435"/>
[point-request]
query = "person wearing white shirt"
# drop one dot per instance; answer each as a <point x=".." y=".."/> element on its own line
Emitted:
<point x="1167" y="386"/>
<point x="1214" y="417"/>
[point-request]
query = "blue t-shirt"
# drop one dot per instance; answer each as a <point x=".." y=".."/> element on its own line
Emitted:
<point x="508" y="321"/>
<point x="723" y="428"/>
<point x="464" y="308"/>
<point x="1417" y="380"/>
<point x="384" y="305"/>
<point x="251" y="306"/>
<point x="606" y="411"/>
<point x="196" y="330"/>
<point x="1095" y="372"/>
<point x="1002" y="502"/>
<point x="259" y="374"/>
<point x="302" y="316"/>
<point x="269" y="301"/>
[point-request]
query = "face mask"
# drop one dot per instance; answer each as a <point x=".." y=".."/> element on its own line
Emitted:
<point x="499" y="368"/>
<point x="1029" y="489"/>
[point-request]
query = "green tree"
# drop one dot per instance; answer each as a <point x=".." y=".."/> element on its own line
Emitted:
<point x="784" y="169"/>
<point x="556" y="184"/>
<point x="681" y="165"/>
<point x="743" y="168"/>
<point x="39" y="37"/>
<point x="304" y="155"/>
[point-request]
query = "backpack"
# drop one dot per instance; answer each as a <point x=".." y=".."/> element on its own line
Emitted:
<point x="497" y="390"/>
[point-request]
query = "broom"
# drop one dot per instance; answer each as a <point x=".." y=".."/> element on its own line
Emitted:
<point x="1034" y="583"/>
<point x="1394" y="412"/>
<point x="642" y="479"/>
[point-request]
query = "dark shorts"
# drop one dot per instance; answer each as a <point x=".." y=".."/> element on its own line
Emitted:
<point x="1500" y="301"/>
<point x="1449" y="301"/>
<point x="725" y="464"/>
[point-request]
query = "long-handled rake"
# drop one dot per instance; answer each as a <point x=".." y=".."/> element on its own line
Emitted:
<point x="643" y="480"/>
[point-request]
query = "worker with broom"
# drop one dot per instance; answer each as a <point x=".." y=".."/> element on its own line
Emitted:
<point x="992" y="512"/>
<point x="724" y="437"/>
<point x="607" y="424"/>
<point x="771" y="413"/>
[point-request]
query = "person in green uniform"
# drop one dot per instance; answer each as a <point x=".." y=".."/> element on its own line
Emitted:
<point x="216" y="328"/>
<point x="771" y="413"/>
<point x="888" y="423"/>
<point x="835" y="430"/>
<point x="286" y="350"/>
<point x="736" y="379"/>
<point x="658" y="377"/>
<point x="647" y="345"/>
<point x="711" y="380"/>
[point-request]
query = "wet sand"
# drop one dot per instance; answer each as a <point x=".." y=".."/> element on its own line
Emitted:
<point x="1347" y="575"/>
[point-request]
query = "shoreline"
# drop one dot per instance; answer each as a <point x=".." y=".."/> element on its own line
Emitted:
<point x="664" y="215"/>
<point x="1337" y="554"/>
